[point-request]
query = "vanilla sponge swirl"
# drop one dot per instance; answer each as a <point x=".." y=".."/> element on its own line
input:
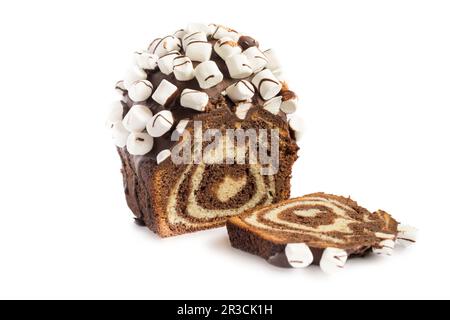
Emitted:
<point x="204" y="195"/>
<point x="321" y="221"/>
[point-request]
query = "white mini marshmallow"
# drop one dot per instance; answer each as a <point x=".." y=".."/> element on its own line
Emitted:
<point x="163" y="155"/>
<point x="407" y="235"/>
<point x="241" y="91"/>
<point x="227" y="47"/>
<point x="273" y="105"/>
<point x="194" y="36"/>
<point x="180" y="33"/>
<point x="198" y="27"/>
<point x="165" y="92"/>
<point x="272" y="61"/>
<point x="120" y="88"/>
<point x="139" y="143"/>
<point x="160" y="124"/>
<point x="242" y="109"/>
<point x="137" y="118"/>
<point x="333" y="260"/>
<point x="219" y="32"/>
<point x="119" y="134"/>
<point x="267" y="84"/>
<point x="299" y="255"/>
<point x="162" y="46"/>
<point x="279" y="74"/>
<point x="386" y="248"/>
<point x="140" y="90"/>
<point x="208" y="74"/>
<point x="145" y="60"/>
<point x="194" y="99"/>
<point x="385" y="236"/>
<point x="133" y="75"/>
<point x="115" y="113"/>
<point x="256" y="58"/>
<point x="183" y="68"/>
<point x="165" y="63"/>
<point x="239" y="66"/>
<point x="290" y="105"/>
<point x="199" y="51"/>
<point x="297" y="125"/>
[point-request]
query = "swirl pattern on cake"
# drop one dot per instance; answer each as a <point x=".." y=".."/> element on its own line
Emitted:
<point x="319" y="228"/>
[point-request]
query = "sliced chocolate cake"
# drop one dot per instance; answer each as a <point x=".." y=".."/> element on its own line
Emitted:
<point x="318" y="229"/>
<point x="205" y="128"/>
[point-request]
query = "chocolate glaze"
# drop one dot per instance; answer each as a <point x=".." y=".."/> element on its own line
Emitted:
<point x="139" y="222"/>
<point x="174" y="105"/>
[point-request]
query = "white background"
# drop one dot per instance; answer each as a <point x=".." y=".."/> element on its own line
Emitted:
<point x="374" y="80"/>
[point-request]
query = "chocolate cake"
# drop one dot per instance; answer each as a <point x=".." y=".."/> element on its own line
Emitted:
<point x="318" y="229"/>
<point x="205" y="79"/>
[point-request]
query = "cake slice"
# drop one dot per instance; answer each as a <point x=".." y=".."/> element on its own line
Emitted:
<point x="319" y="229"/>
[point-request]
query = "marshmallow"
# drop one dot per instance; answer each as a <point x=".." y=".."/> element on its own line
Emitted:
<point x="208" y="74"/>
<point x="406" y="235"/>
<point x="194" y="36"/>
<point x="218" y="32"/>
<point x="133" y="75"/>
<point x="299" y="255"/>
<point x="256" y="58"/>
<point x="165" y="93"/>
<point x="198" y="27"/>
<point x="120" y="88"/>
<point x="297" y="125"/>
<point x="242" y="110"/>
<point x="272" y="61"/>
<point x="279" y="74"/>
<point x="194" y="99"/>
<point x="199" y="50"/>
<point x="386" y="248"/>
<point x="227" y="47"/>
<point x="137" y="118"/>
<point x="241" y="91"/>
<point x="290" y="102"/>
<point x="273" y="105"/>
<point x="234" y="35"/>
<point x="145" y="60"/>
<point x="165" y="63"/>
<point x="119" y="134"/>
<point x="385" y="236"/>
<point x="180" y="33"/>
<point x="140" y="90"/>
<point x="333" y="260"/>
<point x="183" y="68"/>
<point x="160" y="124"/>
<point x="162" y="46"/>
<point x="267" y="84"/>
<point x="239" y="66"/>
<point x="115" y="113"/>
<point x="139" y="143"/>
<point x="163" y="155"/>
